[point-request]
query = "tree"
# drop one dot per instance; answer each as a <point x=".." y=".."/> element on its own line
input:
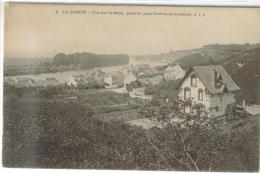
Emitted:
<point x="195" y="143"/>
<point x="40" y="132"/>
<point x="132" y="85"/>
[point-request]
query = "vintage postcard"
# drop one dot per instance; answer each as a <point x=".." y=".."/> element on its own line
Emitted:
<point x="128" y="87"/>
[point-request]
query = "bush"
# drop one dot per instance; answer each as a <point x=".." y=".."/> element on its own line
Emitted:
<point x="55" y="134"/>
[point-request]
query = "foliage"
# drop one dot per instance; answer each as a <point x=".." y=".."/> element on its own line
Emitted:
<point x="198" y="142"/>
<point x="132" y="85"/>
<point x="246" y="76"/>
<point x="214" y="54"/>
<point x="51" y="133"/>
<point x="88" y="60"/>
<point x="99" y="99"/>
<point x="156" y="109"/>
<point x="149" y="90"/>
<point x="37" y="91"/>
<point x="65" y="62"/>
<point x="90" y="85"/>
<point x="163" y="90"/>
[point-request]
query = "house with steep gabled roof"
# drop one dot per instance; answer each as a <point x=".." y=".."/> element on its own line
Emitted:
<point x="114" y="80"/>
<point x="129" y="79"/>
<point x="173" y="72"/>
<point x="209" y="85"/>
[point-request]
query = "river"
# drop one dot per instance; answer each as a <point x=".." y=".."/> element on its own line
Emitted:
<point x="65" y="76"/>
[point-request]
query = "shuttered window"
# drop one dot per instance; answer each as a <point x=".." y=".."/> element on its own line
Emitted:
<point x="200" y="94"/>
<point x="186" y="93"/>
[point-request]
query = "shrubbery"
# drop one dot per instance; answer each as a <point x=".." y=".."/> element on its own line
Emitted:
<point x="37" y="91"/>
<point x="55" y="134"/>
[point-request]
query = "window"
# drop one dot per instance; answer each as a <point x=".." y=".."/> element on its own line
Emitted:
<point x="217" y="108"/>
<point x="207" y="94"/>
<point x="186" y="93"/>
<point x="200" y="94"/>
<point x="193" y="80"/>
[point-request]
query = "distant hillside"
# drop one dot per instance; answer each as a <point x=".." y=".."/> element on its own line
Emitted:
<point x="208" y="54"/>
<point x="240" y="61"/>
<point x="88" y="60"/>
<point x="61" y="62"/>
<point x="213" y="54"/>
<point x="168" y="56"/>
<point x="245" y="71"/>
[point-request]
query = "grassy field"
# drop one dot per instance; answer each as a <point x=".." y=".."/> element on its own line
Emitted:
<point x="101" y="97"/>
<point x="109" y="105"/>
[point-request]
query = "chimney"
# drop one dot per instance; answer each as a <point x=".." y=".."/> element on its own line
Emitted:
<point x="217" y="79"/>
<point x="214" y="78"/>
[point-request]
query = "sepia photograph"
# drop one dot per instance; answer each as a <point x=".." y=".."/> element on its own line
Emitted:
<point x="131" y="87"/>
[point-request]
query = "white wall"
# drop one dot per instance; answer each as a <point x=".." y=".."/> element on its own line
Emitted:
<point x="108" y="80"/>
<point x="217" y="100"/>
<point x="194" y="91"/>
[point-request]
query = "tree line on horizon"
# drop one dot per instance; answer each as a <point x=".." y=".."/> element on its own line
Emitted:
<point x="88" y="60"/>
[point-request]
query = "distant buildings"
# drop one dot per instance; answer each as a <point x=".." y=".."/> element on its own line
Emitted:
<point x="138" y="75"/>
<point x="24" y="82"/>
<point x="129" y="79"/>
<point x="125" y="70"/>
<point x="173" y="72"/>
<point x="72" y="81"/>
<point x="211" y="86"/>
<point x="47" y="82"/>
<point x="114" y="80"/>
<point x="152" y="80"/>
<point x="148" y="60"/>
<point x="92" y="78"/>
<point x="140" y="94"/>
<point x="95" y="75"/>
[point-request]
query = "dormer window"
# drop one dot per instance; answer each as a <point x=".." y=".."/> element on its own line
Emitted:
<point x="217" y="79"/>
<point x="220" y="78"/>
<point x="200" y="94"/>
<point x="193" y="80"/>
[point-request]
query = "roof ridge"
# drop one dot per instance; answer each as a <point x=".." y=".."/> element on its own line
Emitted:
<point x="205" y="74"/>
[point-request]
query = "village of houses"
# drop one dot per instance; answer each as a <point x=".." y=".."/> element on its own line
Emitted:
<point x="209" y="85"/>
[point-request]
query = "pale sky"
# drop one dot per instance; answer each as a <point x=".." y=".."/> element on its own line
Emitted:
<point x="37" y="31"/>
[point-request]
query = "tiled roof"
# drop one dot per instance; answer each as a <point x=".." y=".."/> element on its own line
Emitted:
<point x="205" y="74"/>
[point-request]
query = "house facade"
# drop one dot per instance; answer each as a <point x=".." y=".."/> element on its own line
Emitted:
<point x="211" y="86"/>
<point x="129" y="79"/>
<point x="24" y="82"/>
<point x="72" y="81"/>
<point x="125" y="70"/>
<point x="173" y="73"/>
<point x="114" y="80"/>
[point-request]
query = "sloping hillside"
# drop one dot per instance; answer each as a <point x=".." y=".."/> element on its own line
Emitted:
<point x="170" y="56"/>
<point x="208" y="54"/>
<point x="244" y="69"/>
<point x="214" y="54"/>
<point x="240" y="61"/>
